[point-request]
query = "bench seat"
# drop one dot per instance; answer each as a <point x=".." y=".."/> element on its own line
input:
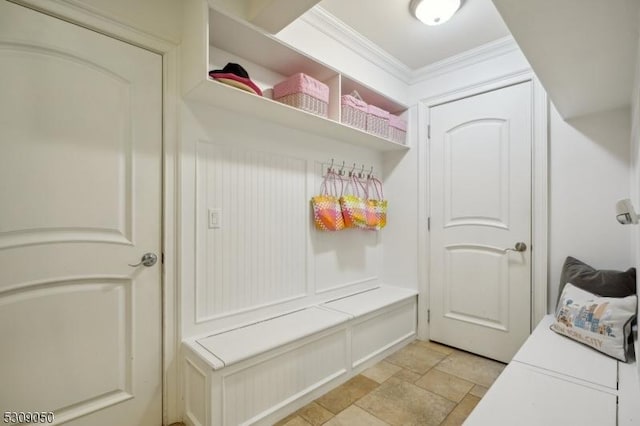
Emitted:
<point x="370" y="301"/>
<point x="554" y="380"/>
<point x="242" y="343"/>
<point x="259" y="373"/>
<point x="555" y="353"/>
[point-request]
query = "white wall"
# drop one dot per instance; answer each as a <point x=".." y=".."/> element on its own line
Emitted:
<point x="589" y="171"/>
<point x="400" y="237"/>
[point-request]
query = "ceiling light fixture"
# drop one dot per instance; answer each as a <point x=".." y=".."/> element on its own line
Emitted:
<point x="434" y="12"/>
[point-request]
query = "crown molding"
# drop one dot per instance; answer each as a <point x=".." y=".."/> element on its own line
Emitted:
<point x="331" y="26"/>
<point x="470" y="57"/>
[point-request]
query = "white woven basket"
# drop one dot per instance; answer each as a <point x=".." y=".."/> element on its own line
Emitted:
<point x="397" y="135"/>
<point x="354" y="117"/>
<point x="306" y="102"/>
<point x="377" y="126"/>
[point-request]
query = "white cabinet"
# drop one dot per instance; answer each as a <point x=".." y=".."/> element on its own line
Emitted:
<point x="213" y="38"/>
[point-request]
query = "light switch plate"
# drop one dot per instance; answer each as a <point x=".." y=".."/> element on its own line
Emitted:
<point x="215" y="218"/>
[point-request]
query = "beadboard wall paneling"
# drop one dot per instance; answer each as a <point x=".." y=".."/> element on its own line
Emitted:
<point x="346" y="258"/>
<point x="258" y="254"/>
<point x="261" y="264"/>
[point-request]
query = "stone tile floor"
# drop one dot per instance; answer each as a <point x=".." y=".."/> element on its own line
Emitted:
<point x="422" y="384"/>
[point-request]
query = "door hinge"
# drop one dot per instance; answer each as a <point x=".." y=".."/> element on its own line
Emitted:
<point x="162" y="258"/>
<point x="429" y="131"/>
<point x="428" y="316"/>
<point x="429" y="224"/>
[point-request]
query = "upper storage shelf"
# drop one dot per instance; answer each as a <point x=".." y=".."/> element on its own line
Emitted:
<point x="213" y="38"/>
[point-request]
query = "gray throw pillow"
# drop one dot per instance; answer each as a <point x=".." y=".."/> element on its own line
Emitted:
<point x="604" y="283"/>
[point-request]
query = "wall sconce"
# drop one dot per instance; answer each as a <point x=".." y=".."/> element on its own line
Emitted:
<point x="434" y="12"/>
<point x="625" y="213"/>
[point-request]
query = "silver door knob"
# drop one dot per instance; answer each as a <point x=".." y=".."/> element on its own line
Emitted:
<point x="518" y="247"/>
<point x="148" y="259"/>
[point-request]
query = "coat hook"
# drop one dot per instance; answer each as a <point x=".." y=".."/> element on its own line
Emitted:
<point x="341" y="172"/>
<point x="330" y="169"/>
<point x="361" y="174"/>
<point x="370" y="173"/>
<point x="352" y="170"/>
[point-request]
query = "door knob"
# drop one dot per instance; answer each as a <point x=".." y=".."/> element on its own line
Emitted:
<point x="148" y="259"/>
<point x="520" y="247"/>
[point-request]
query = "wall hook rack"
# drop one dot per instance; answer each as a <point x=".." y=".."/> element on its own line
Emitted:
<point x="330" y="168"/>
<point x="360" y="172"/>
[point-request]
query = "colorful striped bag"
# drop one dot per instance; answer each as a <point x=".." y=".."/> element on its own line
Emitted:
<point x="376" y="208"/>
<point x="327" y="214"/>
<point x="354" y="204"/>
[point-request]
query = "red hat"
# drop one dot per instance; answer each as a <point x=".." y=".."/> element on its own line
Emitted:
<point x="234" y="75"/>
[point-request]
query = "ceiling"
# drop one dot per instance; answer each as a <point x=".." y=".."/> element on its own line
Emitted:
<point x="390" y="25"/>
<point x="583" y="51"/>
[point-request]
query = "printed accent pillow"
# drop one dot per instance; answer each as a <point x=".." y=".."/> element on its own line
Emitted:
<point x="603" y="323"/>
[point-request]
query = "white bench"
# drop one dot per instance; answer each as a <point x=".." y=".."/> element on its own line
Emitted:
<point x="553" y="380"/>
<point x="259" y="373"/>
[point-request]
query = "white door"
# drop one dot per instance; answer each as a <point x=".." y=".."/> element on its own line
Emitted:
<point x="480" y="159"/>
<point x="80" y="199"/>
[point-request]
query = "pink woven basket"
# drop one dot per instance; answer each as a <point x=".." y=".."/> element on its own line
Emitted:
<point x="354" y="111"/>
<point x="377" y="121"/>
<point x="397" y="129"/>
<point x="303" y="92"/>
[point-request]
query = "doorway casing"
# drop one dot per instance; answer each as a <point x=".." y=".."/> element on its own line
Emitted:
<point x="539" y="190"/>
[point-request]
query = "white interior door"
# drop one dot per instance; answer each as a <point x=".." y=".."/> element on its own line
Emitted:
<point x="80" y="199"/>
<point x="480" y="159"/>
